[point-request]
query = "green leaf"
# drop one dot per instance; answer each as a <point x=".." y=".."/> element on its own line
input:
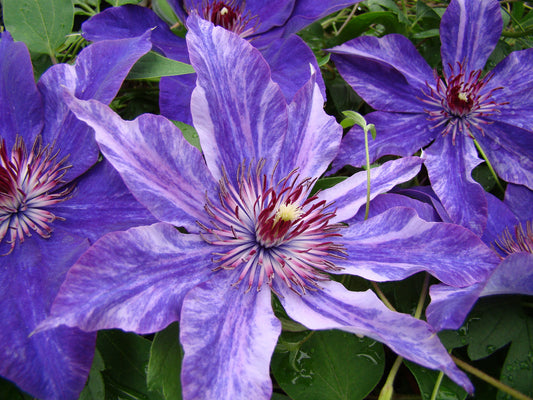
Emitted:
<point x="495" y="322"/>
<point x="324" y="60"/>
<point x="95" y="388"/>
<point x="426" y="34"/>
<point x="153" y="65"/>
<point x="356" y="118"/>
<point x="189" y="133"/>
<point x="326" y="183"/>
<point x="125" y="357"/>
<point x="330" y="365"/>
<point x="363" y="22"/>
<point x="165" y="363"/>
<point x="517" y="370"/>
<point x="116" y="3"/>
<point x="426" y="379"/>
<point x="164" y="11"/>
<point x="41" y="24"/>
<point x="11" y="392"/>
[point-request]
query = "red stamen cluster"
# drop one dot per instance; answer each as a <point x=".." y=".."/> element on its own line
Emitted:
<point x="229" y="15"/>
<point x="522" y="241"/>
<point x="461" y="102"/>
<point x="275" y="230"/>
<point x="27" y="182"/>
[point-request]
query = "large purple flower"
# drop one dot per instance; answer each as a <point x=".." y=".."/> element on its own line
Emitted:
<point x="416" y="107"/>
<point x="54" y="202"/>
<point x="268" y="25"/>
<point x="510" y="232"/>
<point x="253" y="230"/>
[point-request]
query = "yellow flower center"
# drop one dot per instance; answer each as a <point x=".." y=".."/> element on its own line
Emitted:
<point x="287" y="212"/>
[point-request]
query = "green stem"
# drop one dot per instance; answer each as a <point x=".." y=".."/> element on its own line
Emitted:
<point x="382" y="296"/>
<point x="422" y="299"/>
<point x="53" y="57"/>
<point x="85" y="9"/>
<point x="490" y="380"/>
<point x="367" y="155"/>
<point x="437" y="386"/>
<point x="509" y="34"/>
<point x="346" y="20"/>
<point x="478" y="146"/>
<point x="388" y="388"/>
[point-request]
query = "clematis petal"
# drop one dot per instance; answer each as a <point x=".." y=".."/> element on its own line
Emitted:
<point x="450" y="171"/>
<point x="388" y="72"/>
<point x="291" y="73"/>
<point x="130" y="21"/>
<point x="385" y="201"/>
<point x="350" y="194"/>
<point x="134" y="280"/>
<point x="313" y="137"/>
<point x="514" y="275"/>
<point x="469" y="31"/>
<point x="519" y="199"/>
<point x="270" y="13"/>
<point x="175" y="97"/>
<point x="450" y="305"/>
<point x="426" y="194"/>
<point x="21" y="106"/>
<point x="306" y="12"/>
<point x="513" y="78"/>
<point x="163" y="171"/>
<point x="499" y="217"/>
<point x="100" y="204"/>
<point x="54" y="364"/>
<point x="98" y="74"/>
<point x="509" y="150"/>
<point x="232" y="357"/>
<point x="403" y="244"/>
<point x="391" y="138"/>
<point x="334" y="307"/>
<point x="239" y="113"/>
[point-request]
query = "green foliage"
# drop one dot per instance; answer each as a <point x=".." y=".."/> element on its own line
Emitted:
<point x="494" y="323"/>
<point x="116" y="3"/>
<point x="328" y="365"/>
<point x="164" y="11"/>
<point x="41" y="24"/>
<point x="426" y="383"/>
<point x="189" y="133"/>
<point x="126" y="358"/>
<point x="153" y="65"/>
<point x="165" y="363"/>
<point x="95" y="387"/>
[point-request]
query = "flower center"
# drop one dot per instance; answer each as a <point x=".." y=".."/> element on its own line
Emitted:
<point x="229" y="15"/>
<point x="273" y="230"/>
<point x="460" y="102"/>
<point x="27" y="184"/>
<point x="522" y="241"/>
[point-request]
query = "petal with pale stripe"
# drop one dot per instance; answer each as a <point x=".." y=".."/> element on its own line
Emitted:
<point x="334" y="307"/>
<point x="397" y="243"/>
<point x="228" y="337"/>
<point x="134" y="280"/>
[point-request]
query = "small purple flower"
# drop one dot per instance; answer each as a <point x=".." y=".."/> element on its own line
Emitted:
<point x="510" y="232"/>
<point x="55" y="200"/>
<point x="253" y="230"/>
<point x="268" y="25"/>
<point x="417" y="108"/>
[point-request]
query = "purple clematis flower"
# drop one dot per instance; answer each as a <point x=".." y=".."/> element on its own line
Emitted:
<point x="268" y="25"/>
<point x="416" y="108"/>
<point x="253" y="230"/>
<point x="54" y="202"/>
<point x="510" y="232"/>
